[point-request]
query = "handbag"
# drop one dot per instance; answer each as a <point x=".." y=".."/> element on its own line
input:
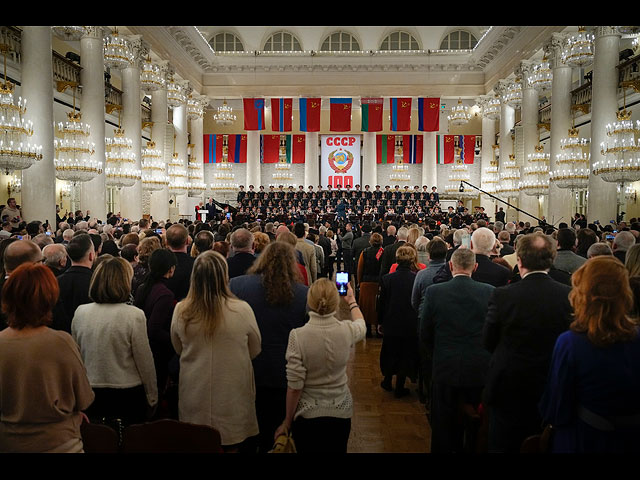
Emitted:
<point x="284" y="443"/>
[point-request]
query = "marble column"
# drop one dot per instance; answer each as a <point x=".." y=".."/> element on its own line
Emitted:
<point x="159" y="202"/>
<point x="131" y="197"/>
<point x="560" y="199"/>
<point x="369" y="165"/>
<point x="253" y="161"/>
<point x="486" y="157"/>
<point x="529" y="122"/>
<point x="197" y="132"/>
<point x="94" y="192"/>
<point x="429" y="162"/>
<point x="602" y="200"/>
<point x="507" y="122"/>
<point x="311" y="160"/>
<point x="180" y="128"/>
<point x="38" y="181"/>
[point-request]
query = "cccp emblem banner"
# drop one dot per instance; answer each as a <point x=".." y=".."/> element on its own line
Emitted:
<point x="340" y="160"/>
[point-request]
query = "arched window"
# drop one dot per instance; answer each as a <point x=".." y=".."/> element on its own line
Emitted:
<point x="226" y="42"/>
<point x="399" y="41"/>
<point x="458" y="40"/>
<point x="282" y="41"/>
<point x="340" y="42"/>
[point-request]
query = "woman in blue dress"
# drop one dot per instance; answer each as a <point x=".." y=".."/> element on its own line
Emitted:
<point x="592" y="398"/>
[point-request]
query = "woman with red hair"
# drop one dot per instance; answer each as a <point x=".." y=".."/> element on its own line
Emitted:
<point x="43" y="381"/>
<point x="592" y="398"/>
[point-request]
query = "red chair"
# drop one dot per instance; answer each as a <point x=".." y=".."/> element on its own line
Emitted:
<point x="170" y="436"/>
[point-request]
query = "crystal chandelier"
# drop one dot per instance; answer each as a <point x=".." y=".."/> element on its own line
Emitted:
<point x="151" y="78"/>
<point x="16" y="153"/>
<point x="178" y="180"/>
<point x="490" y="178"/>
<point x="118" y="52"/>
<point x="223" y="187"/>
<point x="153" y="169"/>
<point x="458" y="174"/>
<point x="491" y="108"/>
<point x="578" y="49"/>
<point x="73" y="161"/>
<point x="195" y="108"/>
<point x="513" y="94"/>
<point x="225" y="115"/>
<point x="509" y="178"/>
<point x="536" y="174"/>
<point x="459" y="114"/>
<point x="120" y="170"/>
<point x="622" y="152"/>
<point x="541" y="76"/>
<point x="196" y="179"/>
<point x="175" y="93"/>
<point x="69" y="33"/>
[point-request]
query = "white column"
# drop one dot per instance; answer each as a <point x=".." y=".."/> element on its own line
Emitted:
<point x="601" y="204"/>
<point x="253" y="160"/>
<point x="529" y="121"/>
<point x="311" y="160"/>
<point x="159" y="203"/>
<point x="180" y="126"/>
<point x="486" y="157"/>
<point x="507" y="121"/>
<point x="429" y="162"/>
<point x="38" y="181"/>
<point x="369" y="165"/>
<point x="131" y="197"/>
<point x="560" y="201"/>
<point x="93" y="195"/>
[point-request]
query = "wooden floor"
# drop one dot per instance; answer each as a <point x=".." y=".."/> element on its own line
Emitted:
<point x="382" y="423"/>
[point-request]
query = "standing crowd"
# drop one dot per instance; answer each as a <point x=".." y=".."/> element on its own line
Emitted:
<point x="505" y="329"/>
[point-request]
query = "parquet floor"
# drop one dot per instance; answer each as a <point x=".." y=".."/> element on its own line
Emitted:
<point x="382" y="423"/>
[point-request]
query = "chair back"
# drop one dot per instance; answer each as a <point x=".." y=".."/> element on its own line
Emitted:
<point x="99" y="438"/>
<point x="171" y="436"/>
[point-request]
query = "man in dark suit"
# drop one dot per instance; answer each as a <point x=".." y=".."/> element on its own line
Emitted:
<point x="359" y="244"/>
<point x="451" y="320"/>
<point x="482" y="243"/>
<point x="389" y="253"/>
<point x="523" y="322"/>
<point x="74" y="283"/>
<point x="504" y="238"/>
<point x="500" y="215"/>
<point x="242" y="252"/>
<point x="178" y="241"/>
<point x="389" y="237"/>
<point x="212" y="209"/>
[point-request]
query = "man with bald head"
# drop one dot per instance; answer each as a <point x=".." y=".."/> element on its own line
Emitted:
<point x="177" y="238"/>
<point x="55" y="257"/>
<point x="243" y="255"/>
<point x="523" y="322"/>
<point x="622" y="242"/>
<point x="483" y="241"/>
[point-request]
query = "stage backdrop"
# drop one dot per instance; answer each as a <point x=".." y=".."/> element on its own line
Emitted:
<point x="340" y="160"/>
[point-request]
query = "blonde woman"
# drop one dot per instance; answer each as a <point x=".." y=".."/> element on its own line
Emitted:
<point x="113" y="341"/>
<point x="319" y="404"/>
<point x="216" y="336"/>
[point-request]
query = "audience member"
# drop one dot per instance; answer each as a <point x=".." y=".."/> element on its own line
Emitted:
<point x="113" y="341"/>
<point x="389" y="254"/>
<point x="452" y="316"/>
<point x="368" y="276"/>
<point x="632" y="264"/>
<point x="273" y="289"/>
<point x="523" y="321"/>
<point x="308" y="252"/>
<point x="599" y="248"/>
<point x="566" y="259"/>
<point x="592" y="396"/>
<point x="242" y="252"/>
<point x="585" y="238"/>
<point x="43" y="382"/>
<point x="319" y="406"/>
<point x="177" y="238"/>
<point x="55" y="257"/>
<point x="398" y="322"/>
<point x="622" y="242"/>
<point x="216" y="336"/>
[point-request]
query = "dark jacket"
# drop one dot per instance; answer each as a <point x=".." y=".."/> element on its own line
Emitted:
<point x="370" y="265"/>
<point x="487" y="272"/>
<point x="179" y="283"/>
<point x="523" y="322"/>
<point x="239" y="263"/>
<point x="452" y="316"/>
<point x="395" y="313"/>
<point x="74" y="291"/>
<point x="275" y="324"/>
<point x="359" y="244"/>
<point x="389" y="256"/>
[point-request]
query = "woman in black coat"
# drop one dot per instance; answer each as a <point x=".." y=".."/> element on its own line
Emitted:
<point x="398" y="321"/>
<point x="369" y="263"/>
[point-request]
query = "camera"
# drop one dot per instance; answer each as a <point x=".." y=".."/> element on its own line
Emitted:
<point x="342" y="280"/>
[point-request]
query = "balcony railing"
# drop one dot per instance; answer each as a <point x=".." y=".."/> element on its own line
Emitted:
<point x="64" y="69"/>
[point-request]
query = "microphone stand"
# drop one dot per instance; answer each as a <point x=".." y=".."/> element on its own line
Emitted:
<point x="505" y="202"/>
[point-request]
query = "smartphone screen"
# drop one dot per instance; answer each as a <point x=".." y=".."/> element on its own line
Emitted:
<point x="159" y="230"/>
<point x="342" y="279"/>
<point x="228" y="216"/>
<point x="466" y="241"/>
